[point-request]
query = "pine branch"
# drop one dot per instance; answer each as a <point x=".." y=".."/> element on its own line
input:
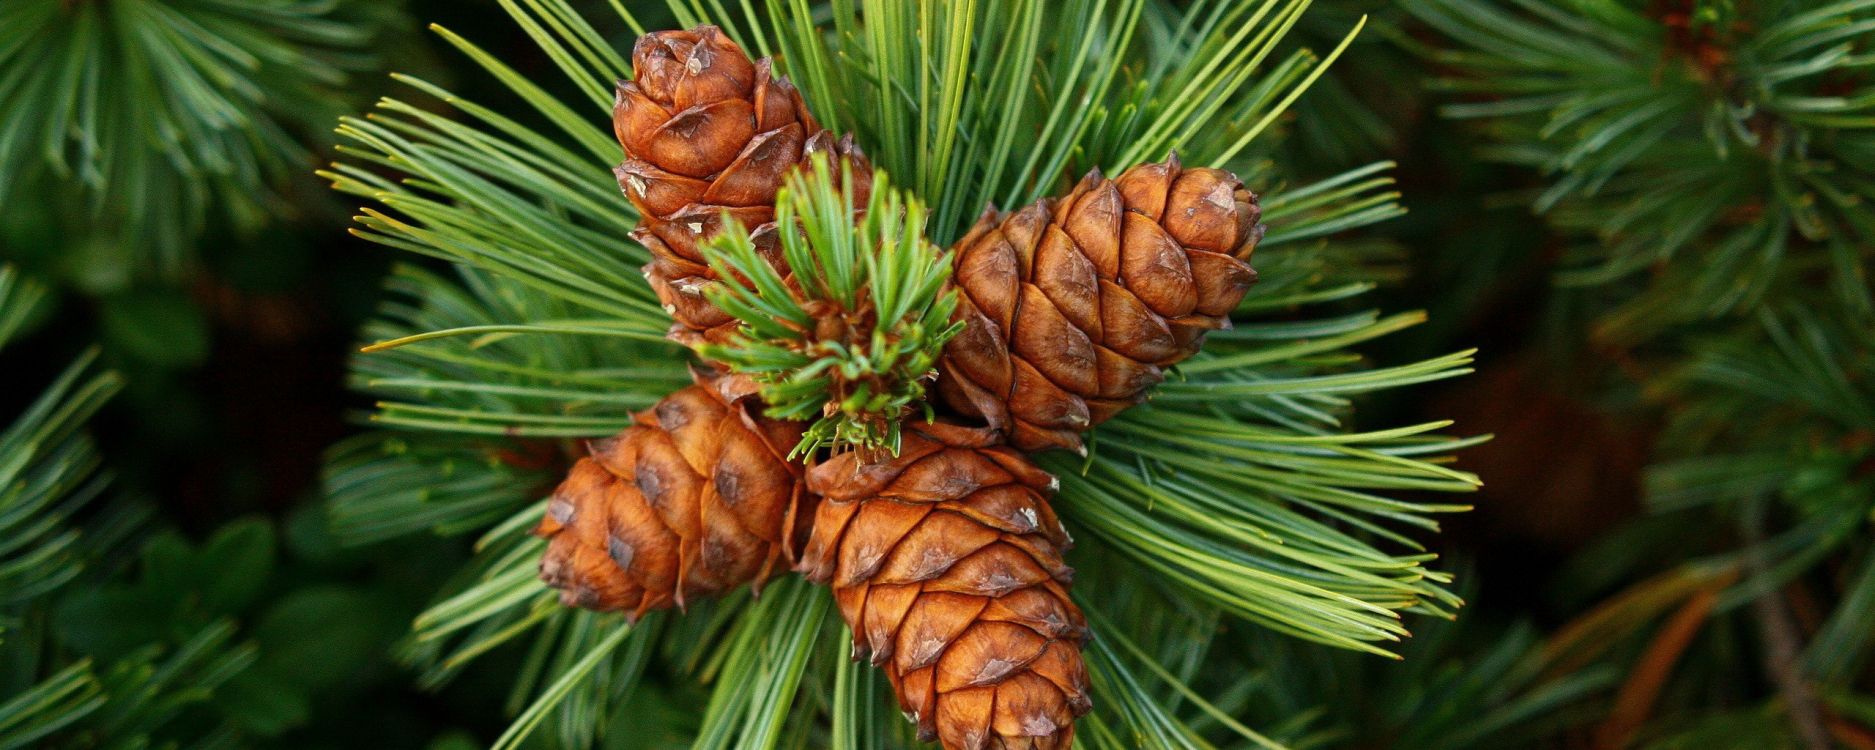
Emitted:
<point x="1044" y="105"/>
<point x="51" y="473"/>
<point x="1782" y="647"/>
<point x="849" y="338"/>
<point x="1778" y="414"/>
<point x="499" y="384"/>
<point x="1708" y="162"/>
<point x="1298" y="527"/>
<point x="44" y="709"/>
<point x="49" y="467"/>
<point x="160" y="118"/>
<point x="23" y="303"/>
<point x="1726" y="153"/>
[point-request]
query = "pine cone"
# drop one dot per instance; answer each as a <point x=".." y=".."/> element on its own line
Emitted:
<point x="946" y="562"/>
<point x="695" y="499"/>
<point x="1075" y="305"/>
<point x="706" y="132"/>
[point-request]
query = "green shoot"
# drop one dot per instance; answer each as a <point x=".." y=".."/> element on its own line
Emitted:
<point x="849" y="335"/>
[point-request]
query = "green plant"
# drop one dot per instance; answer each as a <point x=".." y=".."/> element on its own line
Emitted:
<point x="1264" y="506"/>
<point x="155" y="120"/>
<point x="1709" y="166"/>
<point x="876" y="276"/>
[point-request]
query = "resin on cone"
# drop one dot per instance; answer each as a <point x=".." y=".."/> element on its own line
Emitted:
<point x="946" y="562"/>
<point x="1074" y="306"/>
<point x="695" y="499"/>
<point x="708" y="132"/>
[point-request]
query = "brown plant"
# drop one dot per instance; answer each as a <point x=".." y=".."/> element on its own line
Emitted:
<point x="709" y="133"/>
<point x="695" y="499"/>
<point x="946" y="561"/>
<point x="1074" y="306"/>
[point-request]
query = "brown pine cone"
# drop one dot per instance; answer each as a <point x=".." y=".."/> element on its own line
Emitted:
<point x="706" y="132"/>
<point x="1075" y="305"/>
<point x="947" y="563"/>
<point x="695" y="499"/>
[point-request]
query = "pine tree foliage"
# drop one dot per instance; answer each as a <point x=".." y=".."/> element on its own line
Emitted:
<point x="51" y="467"/>
<point x="1365" y="104"/>
<point x="1720" y="150"/>
<point x="50" y="472"/>
<point x="49" y="475"/>
<point x="1713" y="164"/>
<point x="1264" y="505"/>
<point x="1459" y="685"/>
<point x="1210" y="80"/>
<point x="160" y="118"/>
<point x="1781" y="413"/>
<point x="854" y="348"/>
<point x="95" y="652"/>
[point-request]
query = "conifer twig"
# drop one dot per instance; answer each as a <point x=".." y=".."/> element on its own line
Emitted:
<point x="1783" y="647"/>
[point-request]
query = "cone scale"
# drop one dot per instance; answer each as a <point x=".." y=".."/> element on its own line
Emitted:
<point x="1075" y="306"/>
<point x="695" y="499"/>
<point x="946" y="562"/>
<point x="709" y="133"/>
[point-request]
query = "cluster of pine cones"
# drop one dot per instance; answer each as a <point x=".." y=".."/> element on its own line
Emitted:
<point x="946" y="559"/>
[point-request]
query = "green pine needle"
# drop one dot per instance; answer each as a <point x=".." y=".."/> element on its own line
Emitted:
<point x="49" y="469"/>
<point x="153" y="121"/>
<point x="849" y="336"/>
<point x="48" y="465"/>
<point x="1726" y="162"/>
